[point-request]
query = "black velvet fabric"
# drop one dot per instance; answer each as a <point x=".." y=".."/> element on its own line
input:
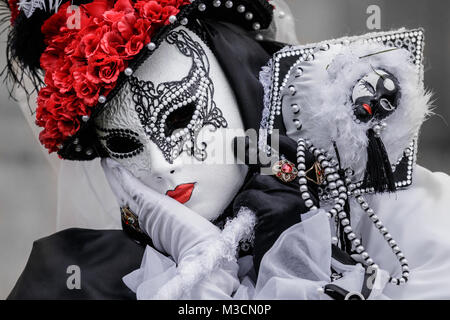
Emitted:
<point x="104" y="257"/>
<point x="277" y="205"/>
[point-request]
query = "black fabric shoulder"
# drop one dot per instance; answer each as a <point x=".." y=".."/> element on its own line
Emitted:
<point x="103" y="258"/>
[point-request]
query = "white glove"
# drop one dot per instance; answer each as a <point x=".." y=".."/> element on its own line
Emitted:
<point x="173" y="227"/>
<point x="195" y="244"/>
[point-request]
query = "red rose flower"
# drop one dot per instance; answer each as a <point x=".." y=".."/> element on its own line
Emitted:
<point x="96" y="8"/>
<point x="104" y="69"/>
<point x="62" y="78"/>
<point x="68" y="127"/>
<point x="173" y="3"/>
<point x="81" y="64"/>
<point x="84" y="88"/>
<point x="73" y="107"/>
<point x="125" y="25"/>
<point x="113" y="44"/>
<point x="167" y="12"/>
<point x="150" y="10"/>
<point x="123" y="6"/>
<point x="51" y="59"/>
<point x="52" y="25"/>
<point x="51" y="137"/>
<point x="134" y="45"/>
<point x="89" y="42"/>
<point x="142" y="28"/>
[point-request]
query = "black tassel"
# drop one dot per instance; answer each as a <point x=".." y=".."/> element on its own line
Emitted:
<point x="378" y="173"/>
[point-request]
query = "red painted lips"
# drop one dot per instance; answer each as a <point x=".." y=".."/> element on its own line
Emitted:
<point x="182" y="193"/>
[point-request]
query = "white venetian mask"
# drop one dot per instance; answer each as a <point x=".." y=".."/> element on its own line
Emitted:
<point x="169" y="117"/>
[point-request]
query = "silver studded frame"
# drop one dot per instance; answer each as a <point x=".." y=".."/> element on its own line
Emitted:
<point x="285" y="64"/>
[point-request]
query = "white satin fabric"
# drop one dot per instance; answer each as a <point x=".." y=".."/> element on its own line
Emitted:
<point x="299" y="262"/>
<point x="419" y="220"/>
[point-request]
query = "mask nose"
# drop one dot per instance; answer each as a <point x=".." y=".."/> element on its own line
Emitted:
<point x="161" y="169"/>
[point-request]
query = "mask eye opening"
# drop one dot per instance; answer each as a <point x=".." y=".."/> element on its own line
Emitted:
<point x="180" y="118"/>
<point x="122" y="143"/>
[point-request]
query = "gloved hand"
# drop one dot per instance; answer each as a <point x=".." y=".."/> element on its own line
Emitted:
<point x="193" y="242"/>
<point x="278" y="205"/>
<point x="173" y="227"/>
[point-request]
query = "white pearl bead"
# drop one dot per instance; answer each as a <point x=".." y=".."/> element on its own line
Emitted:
<point x="128" y="71"/>
<point x="348" y="229"/>
<point x="172" y="19"/>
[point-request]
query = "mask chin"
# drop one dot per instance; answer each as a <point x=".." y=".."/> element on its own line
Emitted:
<point x="153" y="126"/>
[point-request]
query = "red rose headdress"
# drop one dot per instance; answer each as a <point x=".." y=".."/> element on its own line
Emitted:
<point x="78" y="56"/>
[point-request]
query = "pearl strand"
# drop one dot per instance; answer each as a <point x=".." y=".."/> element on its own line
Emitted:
<point x="388" y="237"/>
<point x="339" y="192"/>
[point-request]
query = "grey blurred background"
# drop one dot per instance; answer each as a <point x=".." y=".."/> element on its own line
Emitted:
<point x="27" y="181"/>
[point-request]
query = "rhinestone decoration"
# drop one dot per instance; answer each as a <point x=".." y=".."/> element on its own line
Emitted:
<point x="285" y="170"/>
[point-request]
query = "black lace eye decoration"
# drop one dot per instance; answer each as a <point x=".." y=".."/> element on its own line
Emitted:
<point x="375" y="96"/>
<point x="173" y="113"/>
<point x="122" y="143"/>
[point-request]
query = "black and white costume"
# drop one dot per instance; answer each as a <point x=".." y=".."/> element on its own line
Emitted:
<point x="347" y="214"/>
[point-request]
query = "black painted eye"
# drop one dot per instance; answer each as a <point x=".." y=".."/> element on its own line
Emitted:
<point x="179" y="119"/>
<point x="123" y="144"/>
